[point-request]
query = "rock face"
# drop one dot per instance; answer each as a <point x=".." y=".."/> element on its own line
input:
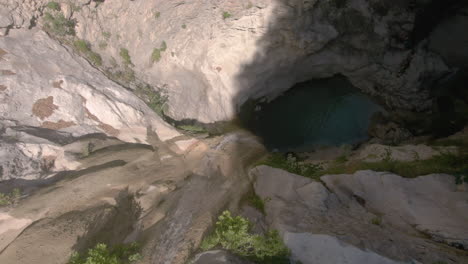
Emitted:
<point x="257" y="48"/>
<point x="218" y="257"/>
<point x="328" y="249"/>
<point x="46" y="89"/>
<point x="379" y="212"/>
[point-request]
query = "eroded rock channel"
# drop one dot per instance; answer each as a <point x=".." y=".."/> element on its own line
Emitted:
<point x="120" y="140"/>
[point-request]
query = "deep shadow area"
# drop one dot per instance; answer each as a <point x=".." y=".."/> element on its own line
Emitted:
<point x="323" y="112"/>
<point x="266" y="76"/>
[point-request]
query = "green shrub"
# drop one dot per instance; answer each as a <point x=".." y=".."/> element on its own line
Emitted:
<point x="226" y="15"/>
<point x="53" y="5"/>
<point x="155" y="55"/>
<point x="184" y="26"/>
<point x="257" y="202"/>
<point x="376" y="221"/>
<point x="101" y="254"/>
<point x="125" y="56"/>
<point x="84" y="48"/>
<point x="58" y="24"/>
<point x="233" y="234"/>
<point x="10" y="198"/>
<point x="289" y="163"/>
<point x="163" y="46"/>
<point x="94" y="58"/>
<point x="106" y="35"/>
<point x="156" y="100"/>
<point x="81" y="46"/>
<point x="125" y="76"/>
<point x="157" y="14"/>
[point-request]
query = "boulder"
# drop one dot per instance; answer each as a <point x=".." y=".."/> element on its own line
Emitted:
<point x="366" y="214"/>
<point x="218" y="257"/>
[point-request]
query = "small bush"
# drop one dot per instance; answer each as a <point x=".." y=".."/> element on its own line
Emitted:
<point x="101" y="254"/>
<point x="94" y="58"/>
<point x="157" y="14"/>
<point x="257" y="202"/>
<point x="163" y="46"/>
<point x="84" y="48"/>
<point x="53" y="5"/>
<point x="233" y="234"/>
<point x="155" y="55"/>
<point x="81" y="46"/>
<point x="376" y="221"/>
<point x="156" y="100"/>
<point x="226" y="15"/>
<point x="290" y="164"/>
<point x="184" y="26"/>
<point x="125" y="56"/>
<point x="106" y="35"/>
<point x="10" y="198"/>
<point x="58" y="24"/>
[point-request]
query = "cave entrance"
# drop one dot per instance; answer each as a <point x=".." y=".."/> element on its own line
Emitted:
<point x="312" y="114"/>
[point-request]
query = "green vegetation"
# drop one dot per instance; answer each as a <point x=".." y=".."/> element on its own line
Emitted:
<point x="192" y="128"/>
<point x="53" y="5"/>
<point x="184" y="26"/>
<point x="444" y="163"/>
<point x="226" y="15"/>
<point x="376" y="221"/>
<point x="451" y="163"/>
<point x="58" y="24"/>
<point x="257" y="202"/>
<point x="84" y="48"/>
<point x="156" y="100"/>
<point x="10" y="198"/>
<point x="289" y="163"/>
<point x="156" y="54"/>
<point x="233" y="234"/>
<point x="125" y="56"/>
<point x="106" y="35"/>
<point x="157" y="14"/>
<point x="101" y="254"/>
<point x="163" y="46"/>
<point x="81" y="46"/>
<point x="125" y="76"/>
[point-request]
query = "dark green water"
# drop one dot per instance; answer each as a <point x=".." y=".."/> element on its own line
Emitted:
<point x="325" y="112"/>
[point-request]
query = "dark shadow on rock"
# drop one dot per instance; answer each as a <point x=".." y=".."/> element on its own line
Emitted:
<point x="28" y="187"/>
<point x="287" y="52"/>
